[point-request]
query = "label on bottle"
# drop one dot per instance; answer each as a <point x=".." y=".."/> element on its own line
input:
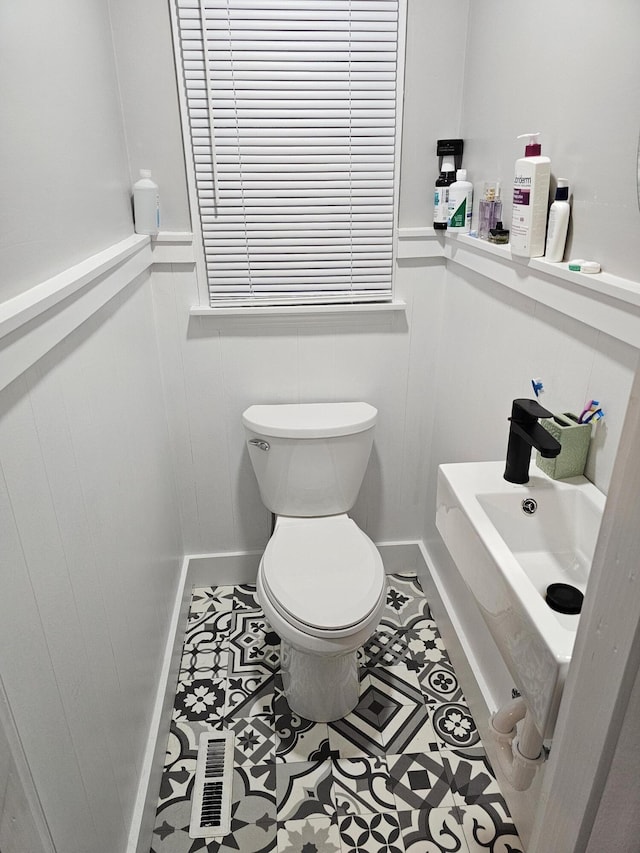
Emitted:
<point x="530" y="206"/>
<point x="460" y="208"/>
<point x="441" y="206"/>
<point x="458" y="216"/>
<point x="521" y="218"/>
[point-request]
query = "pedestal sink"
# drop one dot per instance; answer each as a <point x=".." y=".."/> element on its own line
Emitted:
<point x="509" y="542"/>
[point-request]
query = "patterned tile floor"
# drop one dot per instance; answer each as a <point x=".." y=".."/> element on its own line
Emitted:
<point x="404" y="773"/>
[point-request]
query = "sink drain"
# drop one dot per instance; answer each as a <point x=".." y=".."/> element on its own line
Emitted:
<point x="529" y="506"/>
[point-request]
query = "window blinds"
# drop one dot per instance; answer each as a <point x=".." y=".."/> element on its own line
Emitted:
<point x="291" y="110"/>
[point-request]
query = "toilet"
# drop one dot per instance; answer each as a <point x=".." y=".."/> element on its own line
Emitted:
<point x="321" y="581"/>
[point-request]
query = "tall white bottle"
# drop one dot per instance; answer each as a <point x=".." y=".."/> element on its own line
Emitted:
<point x="558" y="223"/>
<point x="146" y="205"/>
<point x="530" y="200"/>
<point x="460" y="203"/>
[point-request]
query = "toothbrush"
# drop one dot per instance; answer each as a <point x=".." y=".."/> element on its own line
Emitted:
<point x="591" y="406"/>
<point x="593" y="416"/>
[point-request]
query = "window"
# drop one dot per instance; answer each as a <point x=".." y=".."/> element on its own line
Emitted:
<point x="290" y="111"/>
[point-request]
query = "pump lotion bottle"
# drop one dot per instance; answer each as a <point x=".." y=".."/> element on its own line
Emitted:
<point x="530" y="200"/>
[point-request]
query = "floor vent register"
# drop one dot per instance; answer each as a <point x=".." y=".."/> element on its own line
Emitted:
<point x="211" y="802"/>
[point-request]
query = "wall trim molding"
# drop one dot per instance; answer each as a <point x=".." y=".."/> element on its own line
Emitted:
<point x="605" y="302"/>
<point x="52" y="311"/>
<point x="33" y="322"/>
<point x="144" y="808"/>
<point x="42" y="297"/>
<point x="172" y="247"/>
<point x="602" y="301"/>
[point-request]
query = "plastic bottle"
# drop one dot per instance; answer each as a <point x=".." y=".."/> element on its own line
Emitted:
<point x="441" y="195"/>
<point x="558" y="223"/>
<point x="530" y="200"/>
<point x="460" y="203"/>
<point x="146" y="205"/>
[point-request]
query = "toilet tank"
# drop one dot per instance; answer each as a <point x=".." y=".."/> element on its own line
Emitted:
<point x="309" y="458"/>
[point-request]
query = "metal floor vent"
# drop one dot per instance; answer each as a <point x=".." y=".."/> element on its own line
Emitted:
<point x="211" y="800"/>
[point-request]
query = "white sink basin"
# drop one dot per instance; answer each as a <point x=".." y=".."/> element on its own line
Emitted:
<point x="508" y="558"/>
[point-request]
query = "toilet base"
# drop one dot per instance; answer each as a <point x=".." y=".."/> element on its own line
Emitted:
<point x="318" y="687"/>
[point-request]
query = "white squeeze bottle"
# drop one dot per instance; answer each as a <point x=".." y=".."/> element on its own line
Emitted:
<point x="146" y="205"/>
<point x="530" y="200"/>
<point x="558" y="223"/>
<point x="460" y="203"/>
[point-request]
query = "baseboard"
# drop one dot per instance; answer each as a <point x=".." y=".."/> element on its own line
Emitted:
<point x="223" y="568"/>
<point x="231" y="567"/>
<point x="144" y="811"/>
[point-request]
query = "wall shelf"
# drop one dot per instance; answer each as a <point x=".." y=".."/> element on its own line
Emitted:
<point x="606" y="302"/>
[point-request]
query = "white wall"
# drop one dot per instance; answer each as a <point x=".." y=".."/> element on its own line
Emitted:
<point x="214" y="369"/>
<point x="146" y="74"/>
<point x="87" y="495"/>
<point x="22" y="823"/>
<point x="433" y="83"/>
<point x="89" y="565"/>
<point x="149" y="98"/>
<point x="581" y="78"/>
<point x="572" y="71"/>
<point x="64" y="182"/>
<point x="90" y="527"/>
<point x="493" y="341"/>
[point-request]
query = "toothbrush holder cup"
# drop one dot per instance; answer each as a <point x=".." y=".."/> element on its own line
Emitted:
<point x="574" y="439"/>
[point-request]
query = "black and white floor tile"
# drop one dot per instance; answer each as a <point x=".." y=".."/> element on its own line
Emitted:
<point x="405" y="772"/>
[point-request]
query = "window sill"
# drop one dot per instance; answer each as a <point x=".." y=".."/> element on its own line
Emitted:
<point x="299" y="310"/>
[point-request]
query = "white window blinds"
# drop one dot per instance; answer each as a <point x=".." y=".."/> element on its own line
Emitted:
<point x="291" y="116"/>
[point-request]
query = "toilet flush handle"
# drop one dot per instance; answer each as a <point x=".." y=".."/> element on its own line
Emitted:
<point x="260" y="442"/>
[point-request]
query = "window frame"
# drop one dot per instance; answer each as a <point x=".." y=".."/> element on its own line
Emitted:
<point x="276" y="305"/>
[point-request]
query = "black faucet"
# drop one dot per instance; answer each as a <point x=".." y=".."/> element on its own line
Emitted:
<point x="525" y="432"/>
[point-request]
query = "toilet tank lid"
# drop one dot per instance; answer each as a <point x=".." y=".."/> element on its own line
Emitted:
<point x="309" y="420"/>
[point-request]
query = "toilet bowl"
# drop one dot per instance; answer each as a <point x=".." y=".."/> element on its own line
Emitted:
<point x="324" y="613"/>
<point x="321" y="580"/>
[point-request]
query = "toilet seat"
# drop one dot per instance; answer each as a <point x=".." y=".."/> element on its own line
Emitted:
<point x="323" y="575"/>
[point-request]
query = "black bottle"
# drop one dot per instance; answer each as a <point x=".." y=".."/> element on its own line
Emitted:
<point x="441" y="195"/>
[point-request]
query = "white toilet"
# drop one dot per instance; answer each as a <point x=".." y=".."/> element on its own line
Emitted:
<point x="321" y="580"/>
